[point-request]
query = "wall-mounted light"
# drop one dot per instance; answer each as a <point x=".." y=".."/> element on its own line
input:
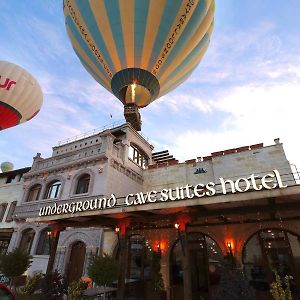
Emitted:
<point x="117" y="229"/>
<point x="176" y="225"/>
<point x="229" y="247"/>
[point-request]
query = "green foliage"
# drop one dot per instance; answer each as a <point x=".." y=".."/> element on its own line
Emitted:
<point x="76" y="289"/>
<point x="103" y="270"/>
<point x="15" y="263"/>
<point x="157" y="280"/>
<point x="32" y="284"/>
<point x="53" y="286"/>
<point x="29" y="297"/>
<point x="277" y="290"/>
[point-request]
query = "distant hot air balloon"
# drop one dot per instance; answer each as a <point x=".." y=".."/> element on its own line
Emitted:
<point x="20" y="95"/>
<point x="139" y="49"/>
<point x="6" y="166"/>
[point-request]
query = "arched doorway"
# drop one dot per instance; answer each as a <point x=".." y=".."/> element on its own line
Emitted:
<point x="144" y="280"/>
<point x="204" y="259"/>
<point x="76" y="261"/>
<point x="271" y="251"/>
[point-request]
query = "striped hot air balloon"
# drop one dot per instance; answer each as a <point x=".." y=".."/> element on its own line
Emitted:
<point x="20" y="95"/>
<point x="139" y="49"/>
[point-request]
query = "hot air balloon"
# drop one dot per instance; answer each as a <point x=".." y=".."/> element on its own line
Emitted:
<point x="139" y="50"/>
<point x="20" y="95"/>
<point x="6" y="166"/>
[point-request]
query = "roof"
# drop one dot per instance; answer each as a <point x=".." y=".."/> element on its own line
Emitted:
<point x="15" y="172"/>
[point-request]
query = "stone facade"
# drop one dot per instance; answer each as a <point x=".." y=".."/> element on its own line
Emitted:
<point x="226" y="196"/>
<point x="11" y="192"/>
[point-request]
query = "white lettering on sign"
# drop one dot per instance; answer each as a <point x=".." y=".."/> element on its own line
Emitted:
<point x="241" y="185"/>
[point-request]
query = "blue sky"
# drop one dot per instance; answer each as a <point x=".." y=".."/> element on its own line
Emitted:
<point x="245" y="91"/>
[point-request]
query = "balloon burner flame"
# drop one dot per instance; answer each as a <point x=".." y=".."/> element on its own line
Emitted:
<point x="133" y="86"/>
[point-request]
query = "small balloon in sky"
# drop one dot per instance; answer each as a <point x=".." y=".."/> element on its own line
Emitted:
<point x="6" y="166"/>
<point x="21" y="96"/>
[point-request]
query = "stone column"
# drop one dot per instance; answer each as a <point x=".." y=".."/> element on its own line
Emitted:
<point x="53" y="247"/>
<point x="187" y="283"/>
<point x="123" y="262"/>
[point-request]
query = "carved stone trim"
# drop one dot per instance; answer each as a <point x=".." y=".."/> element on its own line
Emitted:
<point x="126" y="171"/>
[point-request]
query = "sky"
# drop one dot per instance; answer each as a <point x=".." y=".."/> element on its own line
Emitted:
<point x="245" y="91"/>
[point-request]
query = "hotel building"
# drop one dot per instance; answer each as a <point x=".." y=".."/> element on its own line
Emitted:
<point x="108" y="192"/>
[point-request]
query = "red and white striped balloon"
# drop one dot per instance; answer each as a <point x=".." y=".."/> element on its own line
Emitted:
<point x="21" y="96"/>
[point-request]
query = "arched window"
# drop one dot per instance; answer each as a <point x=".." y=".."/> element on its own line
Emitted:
<point x="34" y="193"/>
<point x="11" y="211"/>
<point x="53" y="189"/>
<point x="83" y="184"/>
<point x="26" y="240"/>
<point x="43" y="247"/>
<point x="3" y="207"/>
<point x="268" y="252"/>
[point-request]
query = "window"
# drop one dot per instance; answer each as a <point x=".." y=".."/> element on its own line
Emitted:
<point x="138" y="156"/>
<point x="3" y="207"/>
<point x="83" y="184"/>
<point x="26" y="240"/>
<point x="34" y="193"/>
<point x="10" y="179"/>
<point x="43" y="247"/>
<point x="11" y="211"/>
<point x="53" y="189"/>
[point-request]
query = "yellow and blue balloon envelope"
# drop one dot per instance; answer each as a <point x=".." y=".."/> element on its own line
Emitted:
<point x="151" y="45"/>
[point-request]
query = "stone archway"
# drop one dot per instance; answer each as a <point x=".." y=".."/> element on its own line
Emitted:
<point x="269" y="251"/>
<point x="76" y="261"/>
<point x="195" y="266"/>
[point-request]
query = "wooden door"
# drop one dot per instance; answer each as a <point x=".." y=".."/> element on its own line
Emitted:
<point x="76" y="262"/>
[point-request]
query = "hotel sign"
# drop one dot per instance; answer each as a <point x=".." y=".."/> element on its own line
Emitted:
<point x="269" y="181"/>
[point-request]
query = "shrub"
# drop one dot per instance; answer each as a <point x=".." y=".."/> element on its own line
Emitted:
<point x="103" y="270"/>
<point x="76" y="289"/>
<point x="277" y="290"/>
<point x="32" y="284"/>
<point x="15" y="263"/>
<point x="53" y="286"/>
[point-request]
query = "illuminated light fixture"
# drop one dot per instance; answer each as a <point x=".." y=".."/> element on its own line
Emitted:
<point x="228" y="244"/>
<point x="117" y="229"/>
<point x="49" y="233"/>
<point x="176" y="225"/>
<point x="269" y="231"/>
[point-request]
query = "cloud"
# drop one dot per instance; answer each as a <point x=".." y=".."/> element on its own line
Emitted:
<point x="255" y="113"/>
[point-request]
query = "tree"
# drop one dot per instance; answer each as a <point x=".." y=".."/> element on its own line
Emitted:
<point x="103" y="270"/>
<point x="14" y="264"/>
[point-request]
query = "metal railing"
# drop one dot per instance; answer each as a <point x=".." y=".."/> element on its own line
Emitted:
<point x="95" y="131"/>
<point x="90" y="133"/>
